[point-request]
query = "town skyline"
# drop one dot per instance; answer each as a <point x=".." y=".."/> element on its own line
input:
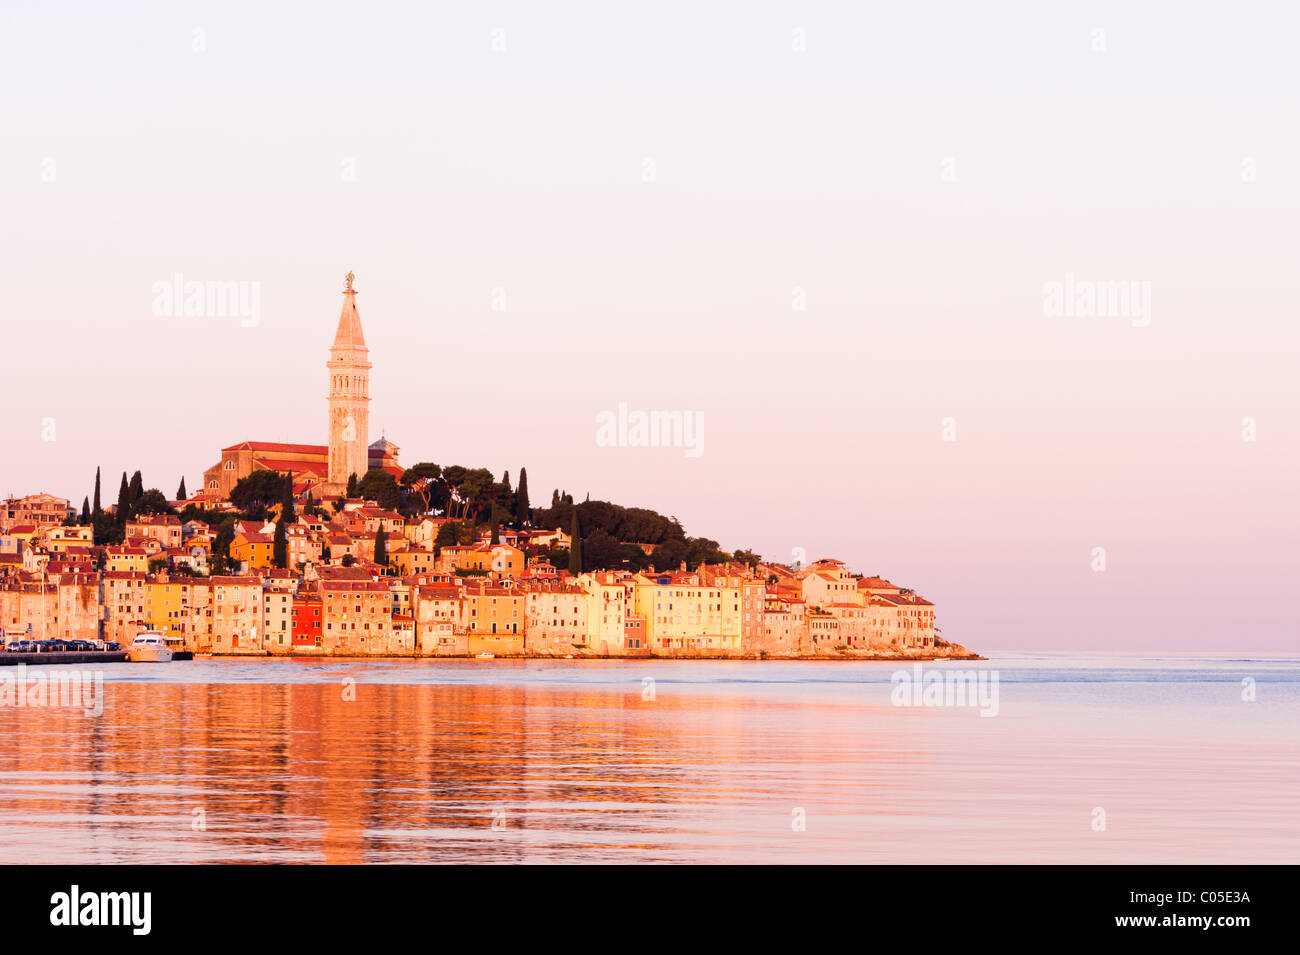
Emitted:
<point x="870" y="235"/>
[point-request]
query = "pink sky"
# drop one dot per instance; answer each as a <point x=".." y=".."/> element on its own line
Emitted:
<point x="1169" y="158"/>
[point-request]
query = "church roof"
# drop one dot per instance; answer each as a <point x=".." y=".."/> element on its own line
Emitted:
<point x="277" y="446"/>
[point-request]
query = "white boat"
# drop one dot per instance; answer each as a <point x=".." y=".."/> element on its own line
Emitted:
<point x="485" y="656"/>
<point x="149" y="646"/>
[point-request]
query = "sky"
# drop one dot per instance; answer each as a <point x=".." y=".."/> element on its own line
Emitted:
<point x="828" y="231"/>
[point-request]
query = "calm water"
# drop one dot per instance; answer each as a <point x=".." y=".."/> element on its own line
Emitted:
<point x="564" y="761"/>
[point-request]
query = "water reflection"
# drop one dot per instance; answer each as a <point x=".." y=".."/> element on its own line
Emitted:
<point x="451" y="772"/>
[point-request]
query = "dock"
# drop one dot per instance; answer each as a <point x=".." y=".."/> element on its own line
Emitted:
<point x="62" y="656"/>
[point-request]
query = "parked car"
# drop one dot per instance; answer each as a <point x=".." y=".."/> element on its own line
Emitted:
<point x="113" y="647"/>
<point x="81" y="646"/>
<point x="41" y="646"/>
<point x="22" y="646"/>
<point x="56" y="646"/>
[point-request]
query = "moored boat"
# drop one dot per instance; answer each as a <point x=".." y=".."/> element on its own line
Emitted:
<point x="149" y="646"/>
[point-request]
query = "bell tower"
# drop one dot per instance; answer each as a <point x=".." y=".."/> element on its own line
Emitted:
<point x="349" y="370"/>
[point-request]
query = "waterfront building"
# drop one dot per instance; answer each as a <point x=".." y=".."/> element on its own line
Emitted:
<point x="307" y="622"/>
<point x="278" y="589"/>
<point x="357" y="614"/>
<point x="557" y="618"/>
<point x="237" y="614"/>
<point x="681" y="613"/>
<point x="123" y="599"/>
<point x="180" y="606"/>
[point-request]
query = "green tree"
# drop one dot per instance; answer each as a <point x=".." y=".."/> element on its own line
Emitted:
<point x="521" y="499"/>
<point x="352" y="485"/>
<point x="419" y="481"/>
<point x="137" y="488"/>
<point x="504" y="495"/>
<point x="381" y="487"/>
<point x="381" y="547"/>
<point x="287" y="511"/>
<point x="153" y="501"/>
<point x="124" y="500"/>
<point x="496" y="525"/>
<point x="180" y="491"/>
<point x="280" y="544"/>
<point x="255" y="493"/>
<point x="448" y="535"/>
<point x="601" y="551"/>
<point x="85" y="510"/>
<point x="95" y="508"/>
<point x="575" y="547"/>
<point x="221" y="544"/>
<point x="348" y="560"/>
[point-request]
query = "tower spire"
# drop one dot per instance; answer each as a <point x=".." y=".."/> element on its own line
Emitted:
<point x="349" y="394"/>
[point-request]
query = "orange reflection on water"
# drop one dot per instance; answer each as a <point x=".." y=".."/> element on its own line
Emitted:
<point x="434" y="772"/>
<point x="318" y="772"/>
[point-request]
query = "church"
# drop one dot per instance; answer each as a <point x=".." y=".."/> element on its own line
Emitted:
<point x="323" y="469"/>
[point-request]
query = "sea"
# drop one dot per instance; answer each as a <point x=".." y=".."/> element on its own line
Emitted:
<point x="1027" y="757"/>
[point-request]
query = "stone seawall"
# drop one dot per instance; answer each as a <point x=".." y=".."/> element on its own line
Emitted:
<point x="897" y="656"/>
<point x="71" y="656"/>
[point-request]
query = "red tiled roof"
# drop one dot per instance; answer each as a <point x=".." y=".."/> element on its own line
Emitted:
<point x="296" y="465"/>
<point x="279" y="447"/>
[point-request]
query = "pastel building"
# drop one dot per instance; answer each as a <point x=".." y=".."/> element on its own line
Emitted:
<point x="357" y="614"/>
<point x="236" y="614"/>
<point x="181" y="607"/>
<point x="123" y="601"/>
<point x="557" y="618"/>
<point x="682" y="613"/>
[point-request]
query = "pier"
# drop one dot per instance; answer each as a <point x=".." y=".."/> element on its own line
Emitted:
<point x="62" y="656"/>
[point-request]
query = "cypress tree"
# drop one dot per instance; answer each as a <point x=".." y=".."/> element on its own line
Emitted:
<point x="521" y="499"/>
<point x="280" y="545"/>
<point x="123" y="499"/>
<point x="95" y="512"/>
<point x="85" y="510"/>
<point x="135" y="492"/>
<point x="180" y="491"/>
<point x="352" y="485"/>
<point x="287" y="510"/>
<point x="381" y="547"/>
<point x="496" y="525"/>
<point x="575" y="547"/>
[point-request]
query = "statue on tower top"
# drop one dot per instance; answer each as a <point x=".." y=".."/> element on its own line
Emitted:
<point x="350" y="277"/>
